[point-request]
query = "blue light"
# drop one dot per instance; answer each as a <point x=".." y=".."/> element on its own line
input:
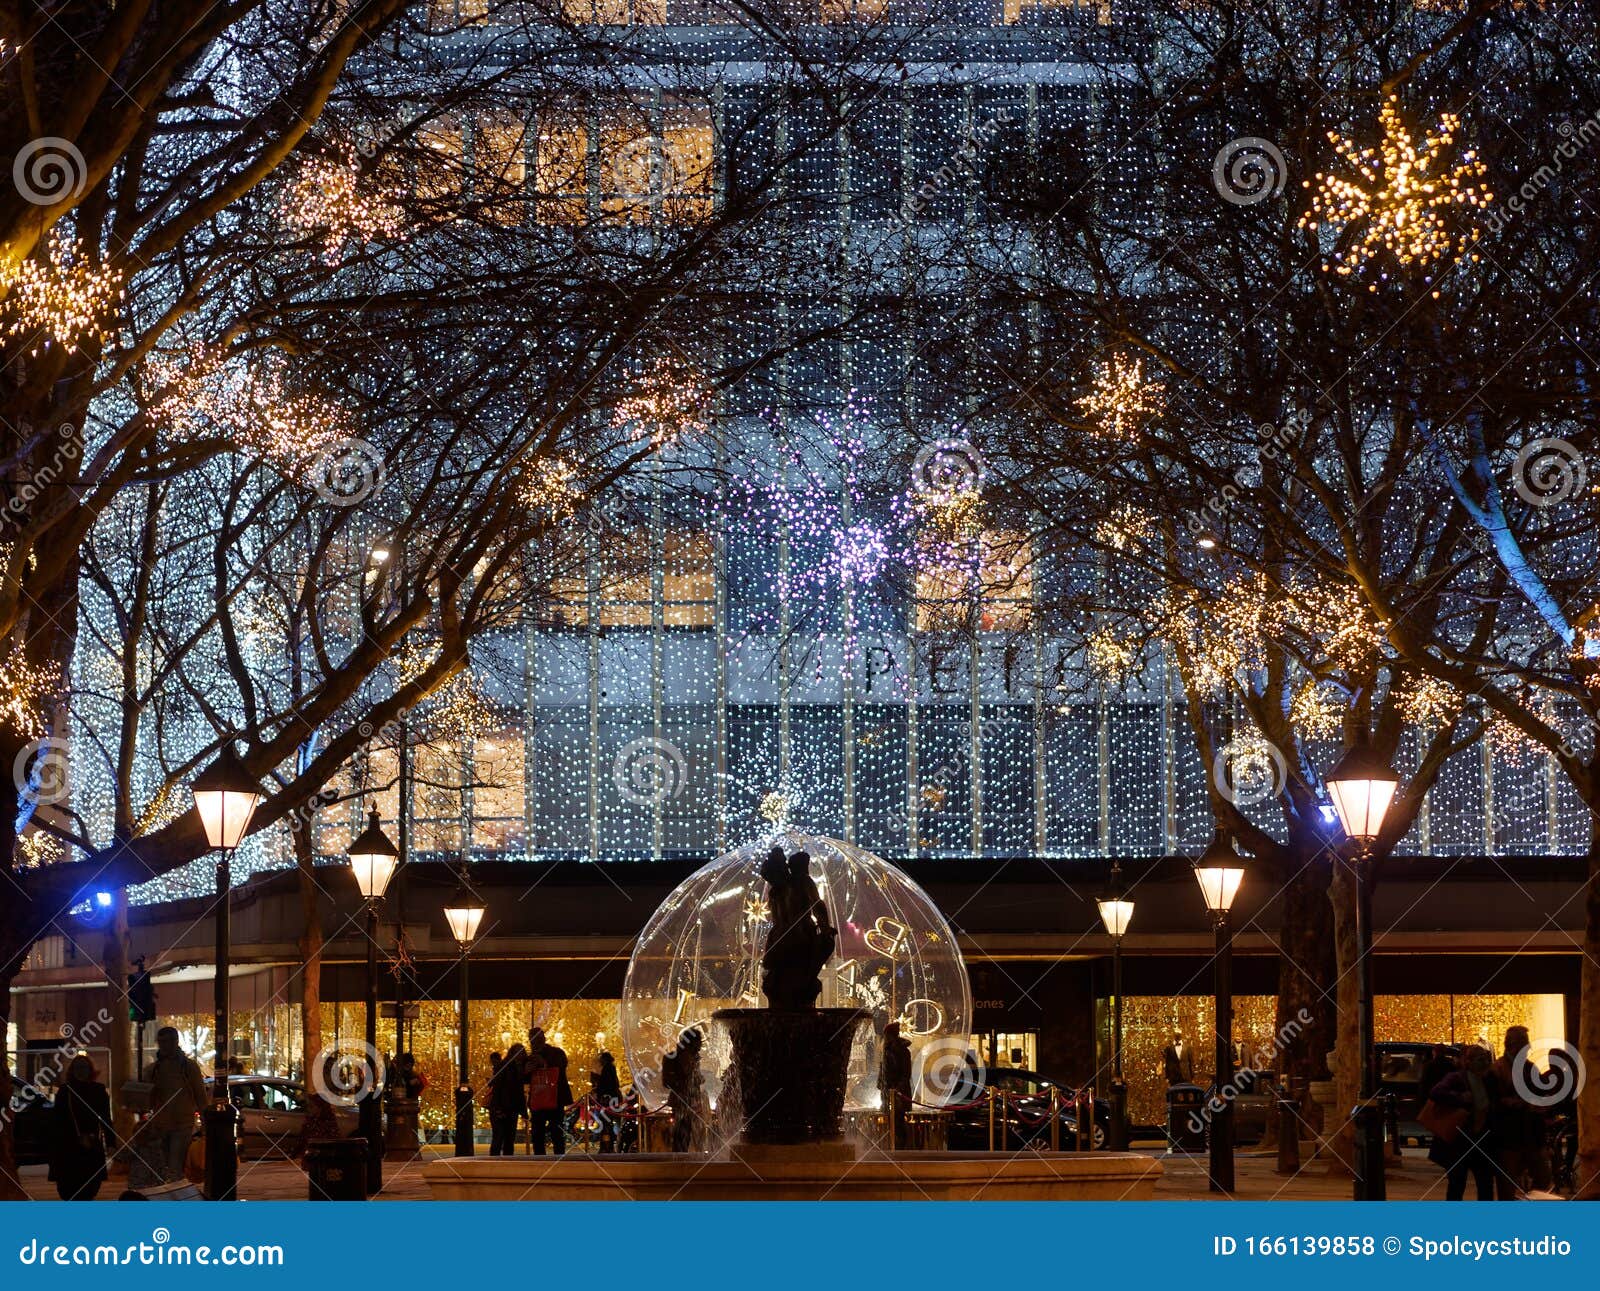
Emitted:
<point x="103" y="900"/>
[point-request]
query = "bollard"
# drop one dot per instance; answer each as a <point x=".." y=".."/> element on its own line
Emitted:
<point x="1084" y="1116"/>
<point x="1369" y="1183"/>
<point x="1288" y="1136"/>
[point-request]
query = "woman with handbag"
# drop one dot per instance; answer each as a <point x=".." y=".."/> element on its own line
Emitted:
<point x="1457" y="1115"/>
<point x="80" y="1128"/>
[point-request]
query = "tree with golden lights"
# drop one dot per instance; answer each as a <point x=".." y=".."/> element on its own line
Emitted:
<point x="303" y="357"/>
<point x="1318" y="525"/>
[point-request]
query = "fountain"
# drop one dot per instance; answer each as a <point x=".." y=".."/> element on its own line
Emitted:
<point x="783" y="1074"/>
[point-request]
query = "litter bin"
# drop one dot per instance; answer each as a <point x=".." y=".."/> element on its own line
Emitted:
<point x="1186" y="1127"/>
<point x="337" y="1169"/>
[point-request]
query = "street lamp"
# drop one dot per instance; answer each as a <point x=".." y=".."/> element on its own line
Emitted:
<point x="1219" y="871"/>
<point x="464" y="914"/>
<point x="1363" y="786"/>
<point x="225" y="798"/>
<point x="373" y="861"/>
<point x="1116" y="912"/>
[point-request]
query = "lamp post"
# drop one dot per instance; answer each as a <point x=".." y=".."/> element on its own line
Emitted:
<point x="1220" y="871"/>
<point x="1116" y="913"/>
<point x="226" y="798"/>
<point x="464" y="914"/>
<point x="1362" y="786"/>
<point x="373" y="861"/>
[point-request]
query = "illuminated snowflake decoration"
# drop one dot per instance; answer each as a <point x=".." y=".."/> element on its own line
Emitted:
<point x="253" y="403"/>
<point x="1121" y="400"/>
<point x="62" y="299"/>
<point x="1396" y="196"/>
<point x="329" y="198"/>
<point x="550" y="485"/>
<point x="862" y="551"/>
<point x="668" y="403"/>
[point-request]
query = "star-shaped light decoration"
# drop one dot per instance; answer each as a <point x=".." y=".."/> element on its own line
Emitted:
<point x="1121" y="400"/>
<point x="1396" y="195"/>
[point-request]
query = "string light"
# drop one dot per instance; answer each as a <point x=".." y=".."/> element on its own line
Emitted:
<point x="1396" y="196"/>
<point x="1428" y="703"/>
<point x="64" y="298"/>
<point x="28" y="690"/>
<point x="550" y="485"/>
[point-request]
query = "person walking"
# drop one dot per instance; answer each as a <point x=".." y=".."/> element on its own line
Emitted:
<point x="1518" y="1125"/>
<point x="177" y="1095"/>
<point x="606" y="1095"/>
<point x="549" y="1093"/>
<point x="508" y="1101"/>
<point x="1466" y="1098"/>
<point x="80" y="1128"/>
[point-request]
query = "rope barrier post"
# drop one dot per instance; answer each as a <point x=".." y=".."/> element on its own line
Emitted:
<point x="989" y="1093"/>
<point x="1055" y="1119"/>
<point x="1085" y="1120"/>
<point x="1391" y="1117"/>
<point x="1288" y="1135"/>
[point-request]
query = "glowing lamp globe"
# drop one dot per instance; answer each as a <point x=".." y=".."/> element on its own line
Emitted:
<point x="1362" y="785"/>
<point x="1219" y="872"/>
<point x="373" y="859"/>
<point x="464" y="914"/>
<point x="896" y="957"/>
<point x="1116" y="915"/>
<point x="226" y="798"/>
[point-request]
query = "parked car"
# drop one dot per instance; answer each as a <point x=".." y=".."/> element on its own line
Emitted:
<point x="1401" y="1067"/>
<point x="31" y="1111"/>
<point x="272" y="1114"/>
<point x="1022" y="1116"/>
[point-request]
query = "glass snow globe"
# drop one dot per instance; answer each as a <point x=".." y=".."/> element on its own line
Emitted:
<point x="896" y="958"/>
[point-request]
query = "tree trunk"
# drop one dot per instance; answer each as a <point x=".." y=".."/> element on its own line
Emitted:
<point x="1306" y="973"/>
<point x="1341" y="1131"/>
<point x="320" y="1122"/>
<point x="1588" y="1168"/>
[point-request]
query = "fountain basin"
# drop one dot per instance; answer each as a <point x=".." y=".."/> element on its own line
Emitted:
<point x="812" y="1172"/>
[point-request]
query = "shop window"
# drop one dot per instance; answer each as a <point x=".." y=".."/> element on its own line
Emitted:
<point x="1023" y="11"/>
<point x="689" y="584"/>
<point x="854" y="10"/>
<point x="498" y="793"/>
<point x="440" y="163"/>
<point x="500" y="164"/>
<point x="616" y="13"/>
<point x="649" y="163"/>
<point x="561" y="168"/>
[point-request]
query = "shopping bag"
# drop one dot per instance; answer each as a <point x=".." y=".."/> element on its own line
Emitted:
<point x="1443" y="1123"/>
<point x="542" y="1085"/>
